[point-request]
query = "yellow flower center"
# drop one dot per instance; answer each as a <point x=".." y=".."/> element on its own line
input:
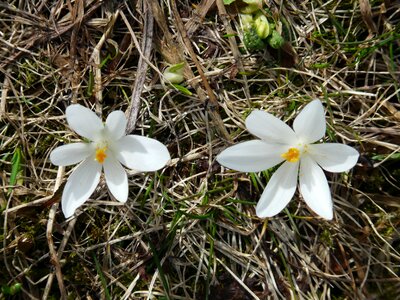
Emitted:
<point x="292" y="155"/>
<point x="101" y="154"/>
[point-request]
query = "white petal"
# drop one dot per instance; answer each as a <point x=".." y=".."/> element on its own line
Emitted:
<point x="269" y="128"/>
<point x="314" y="188"/>
<point x="141" y="153"/>
<point x="116" y="179"/>
<point x="251" y="156"/>
<point x="80" y="185"/>
<point x="84" y="121"/>
<point x="310" y="125"/>
<point x="334" y="157"/>
<point x="116" y="124"/>
<point x="70" y="154"/>
<point x="279" y="191"/>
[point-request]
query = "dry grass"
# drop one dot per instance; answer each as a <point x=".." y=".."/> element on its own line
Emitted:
<point x="190" y="230"/>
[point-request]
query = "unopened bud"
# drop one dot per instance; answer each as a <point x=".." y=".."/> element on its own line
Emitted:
<point x="174" y="73"/>
<point x="276" y="41"/>
<point x="262" y="26"/>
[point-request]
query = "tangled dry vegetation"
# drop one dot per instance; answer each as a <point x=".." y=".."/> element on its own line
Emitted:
<point x="190" y="230"/>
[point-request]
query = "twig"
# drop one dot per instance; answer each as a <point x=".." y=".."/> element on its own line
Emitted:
<point x="147" y="41"/>
<point x="95" y="58"/>
<point x="198" y="16"/>
<point x="234" y="48"/>
<point x="54" y="257"/>
<point x="213" y="100"/>
<point x="4" y="92"/>
<point x="76" y="18"/>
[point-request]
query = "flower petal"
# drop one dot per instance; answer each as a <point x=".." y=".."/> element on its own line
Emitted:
<point x="141" y="153"/>
<point x="279" y="191"/>
<point x="269" y="128"/>
<point x="84" y="121"/>
<point x="251" y="156"/>
<point x="116" y="178"/>
<point x="70" y="154"/>
<point x="116" y="124"/>
<point x="310" y="125"/>
<point x="80" y="185"/>
<point x="314" y="188"/>
<point x="334" y="157"/>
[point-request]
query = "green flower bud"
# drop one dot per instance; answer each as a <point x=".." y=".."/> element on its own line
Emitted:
<point x="173" y="77"/>
<point x="247" y="21"/>
<point x="16" y="288"/>
<point x="262" y="26"/>
<point x="174" y="73"/>
<point x="252" y="40"/>
<point x="276" y="41"/>
<point x="249" y="9"/>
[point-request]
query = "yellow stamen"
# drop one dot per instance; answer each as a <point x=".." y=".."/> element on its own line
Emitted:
<point x="101" y="154"/>
<point x="292" y="155"/>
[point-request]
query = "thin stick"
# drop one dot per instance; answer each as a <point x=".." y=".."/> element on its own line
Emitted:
<point x="147" y="41"/>
<point x="54" y="257"/>
<point x="4" y="92"/>
<point x="95" y="58"/>
<point x="235" y="50"/>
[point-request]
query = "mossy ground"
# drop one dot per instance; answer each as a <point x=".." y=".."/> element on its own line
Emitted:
<point x="190" y="231"/>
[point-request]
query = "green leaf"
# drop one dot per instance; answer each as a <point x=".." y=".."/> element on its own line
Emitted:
<point x="176" y="67"/>
<point x="105" y="60"/>
<point x="160" y="270"/>
<point x="227" y="2"/>
<point x="380" y="157"/>
<point x="89" y="89"/>
<point x="320" y="65"/>
<point x="254" y="2"/>
<point x="182" y="89"/>
<point x="229" y="35"/>
<point x="16" y="167"/>
<point x="102" y="278"/>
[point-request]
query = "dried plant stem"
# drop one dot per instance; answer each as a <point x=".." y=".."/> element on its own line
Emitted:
<point x="54" y="257"/>
<point x="96" y="59"/>
<point x="235" y="51"/>
<point x="4" y="92"/>
<point x="134" y="108"/>
<point x="209" y="99"/>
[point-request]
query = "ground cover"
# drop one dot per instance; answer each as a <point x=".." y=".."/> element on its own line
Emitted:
<point x="189" y="230"/>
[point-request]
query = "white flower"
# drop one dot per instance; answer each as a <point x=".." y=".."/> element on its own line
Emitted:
<point x="301" y="159"/>
<point x="108" y="148"/>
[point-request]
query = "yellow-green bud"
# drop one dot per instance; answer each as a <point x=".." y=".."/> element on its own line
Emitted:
<point x="249" y="9"/>
<point x="276" y="41"/>
<point x="174" y="74"/>
<point x="262" y="26"/>
<point x="247" y="21"/>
